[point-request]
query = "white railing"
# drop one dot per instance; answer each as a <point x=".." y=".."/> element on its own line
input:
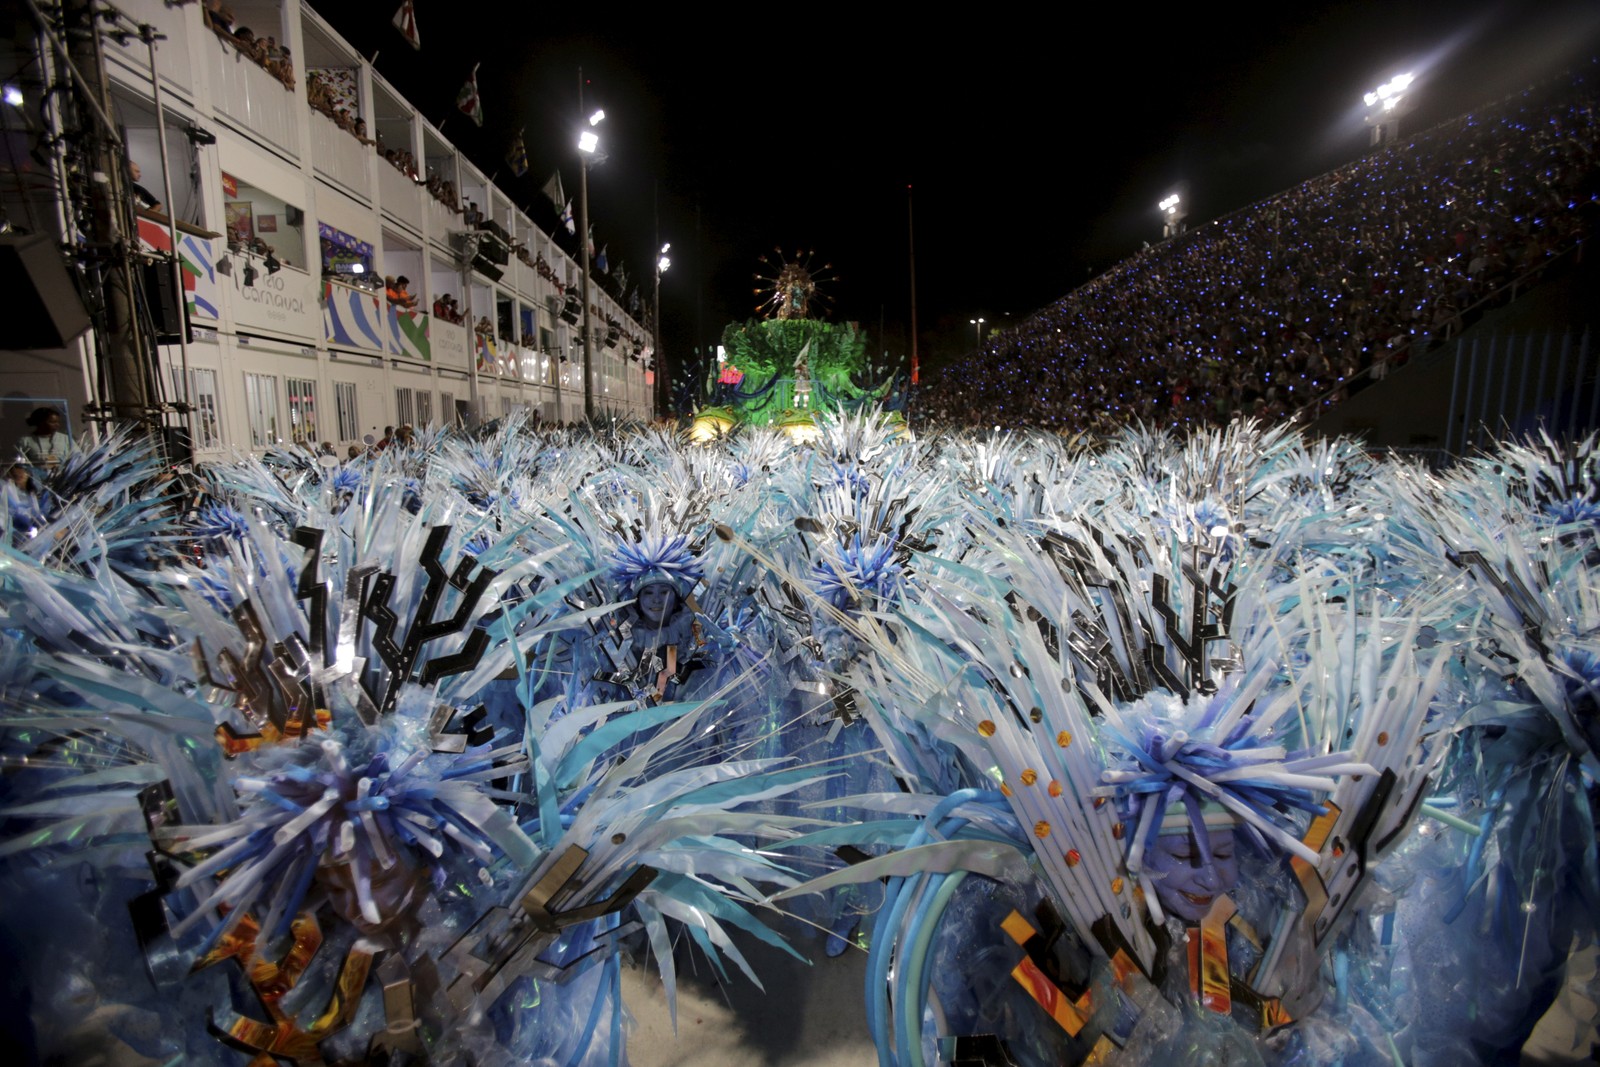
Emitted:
<point x="441" y="220"/>
<point x="172" y="54"/>
<point x="336" y="154"/>
<point x="399" y="195"/>
<point x="257" y="103"/>
<point x="449" y="342"/>
<point x="283" y="302"/>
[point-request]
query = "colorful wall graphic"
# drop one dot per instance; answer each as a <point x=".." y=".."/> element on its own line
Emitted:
<point x="352" y="317"/>
<point x="488" y="355"/>
<point x="198" y="258"/>
<point x="408" y="334"/>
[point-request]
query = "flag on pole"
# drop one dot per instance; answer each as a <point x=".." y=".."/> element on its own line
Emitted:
<point x="405" y="20"/>
<point x="591" y="240"/>
<point x="553" y="190"/>
<point x="467" y="99"/>
<point x="566" y="218"/>
<point x="600" y="260"/>
<point x="517" y="156"/>
<point x="622" y="277"/>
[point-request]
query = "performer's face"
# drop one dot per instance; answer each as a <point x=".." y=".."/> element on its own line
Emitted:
<point x="656" y="602"/>
<point x="1184" y="882"/>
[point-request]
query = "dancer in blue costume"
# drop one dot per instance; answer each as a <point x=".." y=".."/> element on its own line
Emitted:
<point x="652" y="647"/>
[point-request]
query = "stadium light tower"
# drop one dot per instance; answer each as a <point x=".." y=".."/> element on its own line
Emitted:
<point x="588" y="146"/>
<point x="977" y="328"/>
<point x="663" y="262"/>
<point x="1172" y="215"/>
<point x="1385" y="106"/>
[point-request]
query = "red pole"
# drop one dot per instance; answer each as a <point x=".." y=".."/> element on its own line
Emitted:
<point x="911" y="233"/>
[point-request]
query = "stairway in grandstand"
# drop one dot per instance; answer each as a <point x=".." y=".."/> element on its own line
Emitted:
<point x="1531" y="364"/>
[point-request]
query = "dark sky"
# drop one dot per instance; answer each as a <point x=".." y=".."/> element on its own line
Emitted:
<point x="1038" y="145"/>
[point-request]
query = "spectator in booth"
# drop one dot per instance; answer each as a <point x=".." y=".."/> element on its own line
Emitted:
<point x="403" y="436"/>
<point x="46" y="446"/>
<point x="245" y="38"/>
<point x="143" y="199"/>
<point x="361" y="132"/>
<point x="387" y="440"/>
<point x="218" y="18"/>
<point x="397" y="290"/>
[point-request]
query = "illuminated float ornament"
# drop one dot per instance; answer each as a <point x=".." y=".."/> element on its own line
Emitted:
<point x="800" y="426"/>
<point x="790" y="290"/>
<point x="711" y="424"/>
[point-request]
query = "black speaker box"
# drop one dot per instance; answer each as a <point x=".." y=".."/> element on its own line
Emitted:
<point x="165" y="303"/>
<point x="45" y="311"/>
<point x="180" y="450"/>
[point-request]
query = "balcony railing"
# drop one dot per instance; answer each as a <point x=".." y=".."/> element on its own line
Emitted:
<point x="256" y="102"/>
<point x="338" y="156"/>
<point x="441" y="220"/>
<point x="353" y="317"/>
<point x="400" y="197"/>
<point x="449" y="343"/>
<point x="172" y="54"/>
<point x="283" y="302"/>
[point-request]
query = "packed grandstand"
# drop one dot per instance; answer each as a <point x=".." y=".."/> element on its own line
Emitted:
<point x="1301" y="298"/>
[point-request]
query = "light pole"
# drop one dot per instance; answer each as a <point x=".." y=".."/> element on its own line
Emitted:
<point x="662" y="264"/>
<point x="1172" y="215"/>
<point x="977" y="329"/>
<point x="588" y="144"/>
<point x="1386" y="104"/>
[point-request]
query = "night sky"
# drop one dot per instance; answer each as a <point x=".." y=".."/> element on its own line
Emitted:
<point x="1037" y="148"/>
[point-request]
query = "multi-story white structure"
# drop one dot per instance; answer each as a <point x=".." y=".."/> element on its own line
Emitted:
<point x="297" y="348"/>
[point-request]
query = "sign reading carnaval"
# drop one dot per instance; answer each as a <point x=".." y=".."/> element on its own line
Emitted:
<point x="283" y="302"/>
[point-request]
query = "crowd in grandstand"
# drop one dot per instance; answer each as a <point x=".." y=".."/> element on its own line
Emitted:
<point x="1301" y="296"/>
<point x="266" y="52"/>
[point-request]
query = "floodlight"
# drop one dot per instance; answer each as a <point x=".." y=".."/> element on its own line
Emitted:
<point x="597" y="117"/>
<point x="12" y="95"/>
<point x="588" y="141"/>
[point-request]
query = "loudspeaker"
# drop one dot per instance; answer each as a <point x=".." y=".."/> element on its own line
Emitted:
<point x="45" y="311"/>
<point x="160" y="296"/>
<point x="180" y="450"/>
<point x="486" y="268"/>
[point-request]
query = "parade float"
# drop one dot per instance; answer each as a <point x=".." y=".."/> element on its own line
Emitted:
<point x="791" y="365"/>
